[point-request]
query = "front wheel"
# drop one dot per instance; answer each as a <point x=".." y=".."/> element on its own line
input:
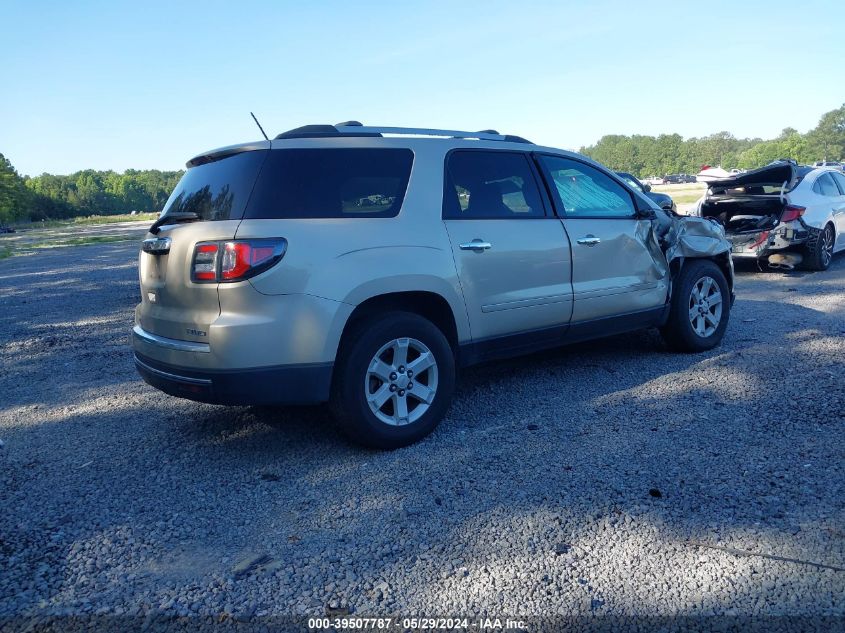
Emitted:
<point x="394" y="380"/>
<point x="699" y="308"/>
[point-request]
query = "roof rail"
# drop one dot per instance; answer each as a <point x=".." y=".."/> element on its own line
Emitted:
<point x="354" y="128"/>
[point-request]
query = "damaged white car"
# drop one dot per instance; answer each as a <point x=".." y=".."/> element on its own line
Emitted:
<point x="784" y="214"/>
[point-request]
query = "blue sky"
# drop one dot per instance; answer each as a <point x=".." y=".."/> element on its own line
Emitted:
<point x="114" y="85"/>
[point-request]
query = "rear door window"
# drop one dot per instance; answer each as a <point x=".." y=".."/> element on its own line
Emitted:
<point x="826" y="186"/>
<point x="218" y="190"/>
<point x="840" y="181"/>
<point x="331" y="183"/>
<point x="490" y="185"/>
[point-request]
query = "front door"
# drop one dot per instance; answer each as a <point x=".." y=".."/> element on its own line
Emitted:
<point x="512" y="254"/>
<point x="617" y="266"/>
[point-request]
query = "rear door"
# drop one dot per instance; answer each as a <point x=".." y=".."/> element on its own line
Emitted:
<point x="839" y="210"/>
<point x="512" y="254"/>
<point x="172" y="304"/>
<point x="616" y="266"/>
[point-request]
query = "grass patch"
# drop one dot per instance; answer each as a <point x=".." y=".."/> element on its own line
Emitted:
<point x="5" y="252"/>
<point x="685" y="197"/>
<point x="84" y="241"/>
<point x="87" y="220"/>
<point x="111" y="219"/>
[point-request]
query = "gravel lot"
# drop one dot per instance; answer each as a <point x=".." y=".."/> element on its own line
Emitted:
<point x="599" y="479"/>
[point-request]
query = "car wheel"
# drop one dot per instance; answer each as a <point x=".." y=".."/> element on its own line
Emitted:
<point x="699" y="308"/>
<point x="394" y="380"/>
<point x="820" y="250"/>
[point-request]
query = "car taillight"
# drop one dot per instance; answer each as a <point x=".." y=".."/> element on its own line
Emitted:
<point x="760" y="239"/>
<point x="235" y="260"/>
<point x="205" y="262"/>
<point x="791" y="213"/>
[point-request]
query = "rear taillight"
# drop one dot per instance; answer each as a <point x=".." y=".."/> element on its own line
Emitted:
<point x="205" y="262"/>
<point x="792" y="213"/>
<point x="760" y="239"/>
<point x="235" y="260"/>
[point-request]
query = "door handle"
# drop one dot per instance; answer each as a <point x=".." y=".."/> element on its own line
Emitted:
<point x="477" y="246"/>
<point x="589" y="240"/>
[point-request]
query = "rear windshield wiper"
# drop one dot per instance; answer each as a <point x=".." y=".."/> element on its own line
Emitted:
<point x="181" y="216"/>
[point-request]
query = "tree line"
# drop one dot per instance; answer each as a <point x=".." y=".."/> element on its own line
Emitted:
<point x="671" y="154"/>
<point x="86" y="192"/>
<point x="91" y="192"/>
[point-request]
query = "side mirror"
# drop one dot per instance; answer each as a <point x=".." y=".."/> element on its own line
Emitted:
<point x="646" y="187"/>
<point x="646" y="213"/>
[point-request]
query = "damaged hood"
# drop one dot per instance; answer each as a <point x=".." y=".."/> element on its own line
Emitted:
<point x="689" y="236"/>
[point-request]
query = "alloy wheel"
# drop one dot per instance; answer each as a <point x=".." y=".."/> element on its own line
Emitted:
<point x="705" y="306"/>
<point x="401" y="381"/>
<point x="827" y="246"/>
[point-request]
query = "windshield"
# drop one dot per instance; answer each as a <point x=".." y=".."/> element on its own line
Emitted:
<point x="217" y="190"/>
<point x="633" y="182"/>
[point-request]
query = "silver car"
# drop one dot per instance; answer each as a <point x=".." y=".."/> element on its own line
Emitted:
<point x="784" y="214"/>
<point x="364" y="266"/>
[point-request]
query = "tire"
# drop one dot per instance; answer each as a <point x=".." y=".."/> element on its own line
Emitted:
<point x="688" y="328"/>
<point x="819" y="251"/>
<point x="360" y="379"/>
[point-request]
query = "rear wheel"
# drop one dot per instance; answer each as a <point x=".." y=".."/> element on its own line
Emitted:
<point x="394" y="380"/>
<point x="820" y="249"/>
<point x="699" y="308"/>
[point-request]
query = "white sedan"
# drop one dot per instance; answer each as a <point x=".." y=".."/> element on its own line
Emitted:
<point x="783" y="213"/>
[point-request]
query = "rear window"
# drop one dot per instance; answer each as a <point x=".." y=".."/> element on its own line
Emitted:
<point x="218" y="190"/>
<point x="331" y="183"/>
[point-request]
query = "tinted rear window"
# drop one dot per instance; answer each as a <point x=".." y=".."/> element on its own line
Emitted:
<point x="218" y="190"/>
<point x="331" y="183"/>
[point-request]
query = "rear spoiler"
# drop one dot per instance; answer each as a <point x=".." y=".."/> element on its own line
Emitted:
<point x="225" y="152"/>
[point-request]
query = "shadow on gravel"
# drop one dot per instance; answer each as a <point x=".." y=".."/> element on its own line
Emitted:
<point x="538" y="458"/>
<point x="746" y="267"/>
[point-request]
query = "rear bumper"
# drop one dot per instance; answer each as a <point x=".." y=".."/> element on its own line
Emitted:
<point x="763" y="243"/>
<point x="282" y="385"/>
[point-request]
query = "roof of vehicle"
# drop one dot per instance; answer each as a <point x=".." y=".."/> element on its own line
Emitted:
<point x="354" y="128"/>
<point x="395" y="136"/>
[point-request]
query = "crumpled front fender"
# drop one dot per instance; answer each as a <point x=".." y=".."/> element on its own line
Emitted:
<point x="682" y="237"/>
<point x="690" y="236"/>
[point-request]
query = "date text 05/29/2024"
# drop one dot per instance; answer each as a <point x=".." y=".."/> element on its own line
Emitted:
<point x="386" y="624"/>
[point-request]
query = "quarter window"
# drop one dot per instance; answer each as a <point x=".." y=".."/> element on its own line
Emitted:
<point x="331" y="183"/>
<point x="490" y="185"/>
<point x="585" y="192"/>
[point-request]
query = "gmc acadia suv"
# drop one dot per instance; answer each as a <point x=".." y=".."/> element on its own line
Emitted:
<point x="363" y="266"/>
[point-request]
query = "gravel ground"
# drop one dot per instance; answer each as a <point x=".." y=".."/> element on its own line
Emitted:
<point x="610" y="478"/>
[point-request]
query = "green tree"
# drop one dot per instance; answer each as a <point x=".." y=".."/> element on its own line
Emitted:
<point x="13" y="192"/>
<point x="828" y="137"/>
